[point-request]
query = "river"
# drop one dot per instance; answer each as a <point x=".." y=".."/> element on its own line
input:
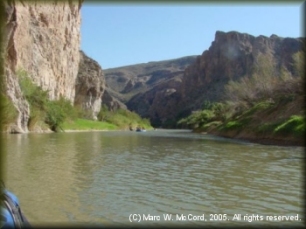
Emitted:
<point x="114" y="177"/>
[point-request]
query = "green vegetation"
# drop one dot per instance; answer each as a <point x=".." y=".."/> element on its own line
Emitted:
<point x="59" y="111"/>
<point x="43" y="110"/>
<point x="8" y="111"/>
<point x="233" y="125"/>
<point x="85" y="124"/>
<point x="62" y="115"/>
<point x="214" y="113"/>
<point x="123" y="119"/>
<point x="269" y="102"/>
<point x="294" y="125"/>
<point x="197" y="119"/>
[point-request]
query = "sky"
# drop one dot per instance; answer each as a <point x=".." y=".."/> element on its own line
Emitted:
<point x="120" y="34"/>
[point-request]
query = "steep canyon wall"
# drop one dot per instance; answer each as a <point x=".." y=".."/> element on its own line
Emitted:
<point x="43" y="39"/>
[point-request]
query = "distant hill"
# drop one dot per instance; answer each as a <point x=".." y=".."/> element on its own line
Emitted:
<point x="125" y="82"/>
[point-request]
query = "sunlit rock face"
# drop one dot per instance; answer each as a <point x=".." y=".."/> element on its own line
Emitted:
<point x="10" y="82"/>
<point x="43" y="39"/>
<point x="47" y="44"/>
<point x="90" y="86"/>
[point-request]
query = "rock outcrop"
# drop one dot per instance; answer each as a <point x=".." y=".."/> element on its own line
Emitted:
<point x="10" y="84"/>
<point x="112" y="103"/>
<point x="44" y="40"/>
<point x="90" y="86"/>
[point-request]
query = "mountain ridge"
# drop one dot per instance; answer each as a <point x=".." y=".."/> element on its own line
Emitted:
<point x="125" y="82"/>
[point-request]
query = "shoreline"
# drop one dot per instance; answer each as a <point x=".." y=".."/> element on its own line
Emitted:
<point x="262" y="140"/>
<point x="72" y="131"/>
<point x="271" y="141"/>
<point x="247" y="137"/>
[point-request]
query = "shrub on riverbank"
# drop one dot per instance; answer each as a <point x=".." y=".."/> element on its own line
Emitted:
<point x="8" y="112"/>
<point x="124" y="119"/>
<point x="295" y="125"/>
<point x="42" y="110"/>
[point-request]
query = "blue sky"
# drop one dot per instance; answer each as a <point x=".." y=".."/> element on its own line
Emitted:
<point x="123" y="34"/>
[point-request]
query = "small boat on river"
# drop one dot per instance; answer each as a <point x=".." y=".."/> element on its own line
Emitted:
<point x="140" y="129"/>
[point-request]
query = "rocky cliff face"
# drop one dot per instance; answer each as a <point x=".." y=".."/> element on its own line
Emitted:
<point x="44" y="40"/>
<point x="231" y="56"/>
<point x="47" y="44"/>
<point x="10" y="84"/>
<point x="111" y="102"/>
<point x="90" y="86"/>
<point x="153" y="103"/>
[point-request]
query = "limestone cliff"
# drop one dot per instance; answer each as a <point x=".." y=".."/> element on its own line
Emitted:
<point x="10" y="84"/>
<point x="42" y="38"/>
<point x="47" y="44"/>
<point x="91" y="90"/>
<point x="90" y="86"/>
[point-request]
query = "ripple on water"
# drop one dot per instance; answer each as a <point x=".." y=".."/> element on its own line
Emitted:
<point x="104" y="177"/>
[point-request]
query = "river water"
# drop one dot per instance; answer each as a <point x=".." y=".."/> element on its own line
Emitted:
<point x="115" y="177"/>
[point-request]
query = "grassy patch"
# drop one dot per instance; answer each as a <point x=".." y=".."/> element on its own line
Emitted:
<point x="85" y="124"/>
<point x="197" y="119"/>
<point x="267" y="128"/>
<point x="8" y="111"/>
<point x="294" y="125"/>
<point x="233" y="125"/>
<point x="211" y="124"/>
<point x="258" y="107"/>
<point x="123" y="118"/>
<point x="44" y="111"/>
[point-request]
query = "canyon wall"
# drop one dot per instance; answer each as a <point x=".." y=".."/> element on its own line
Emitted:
<point x="47" y="44"/>
<point x="89" y="86"/>
<point x="232" y="55"/>
<point x="43" y="39"/>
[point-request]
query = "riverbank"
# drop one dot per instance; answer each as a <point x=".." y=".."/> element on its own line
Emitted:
<point x="260" y="139"/>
